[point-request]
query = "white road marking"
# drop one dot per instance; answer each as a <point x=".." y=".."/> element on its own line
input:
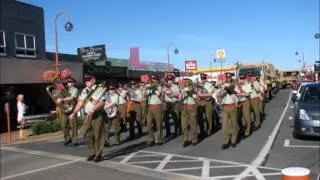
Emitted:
<point x="205" y="169"/>
<point x="163" y="163"/>
<point x="267" y="146"/>
<point x="144" y="162"/>
<point x="287" y="144"/>
<point x="291" y="107"/>
<point x="41" y="153"/>
<point x="290" y="118"/>
<point x="126" y="159"/>
<point x="40" y="169"/>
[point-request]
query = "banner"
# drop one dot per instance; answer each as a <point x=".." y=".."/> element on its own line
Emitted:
<point x="191" y="65"/>
<point x="92" y="54"/>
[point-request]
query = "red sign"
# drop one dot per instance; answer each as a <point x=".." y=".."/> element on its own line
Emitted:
<point x="191" y="65"/>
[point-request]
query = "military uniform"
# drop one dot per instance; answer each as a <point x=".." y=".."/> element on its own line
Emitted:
<point x="94" y="131"/>
<point x="172" y="107"/>
<point x="205" y="105"/>
<point x="255" y="101"/>
<point x="123" y="108"/>
<point x="136" y="113"/>
<point x="244" y="106"/>
<point x="143" y="104"/>
<point x="115" y="121"/>
<point x="188" y="114"/>
<point x="229" y="114"/>
<point x="154" y="112"/>
<point x="70" y="124"/>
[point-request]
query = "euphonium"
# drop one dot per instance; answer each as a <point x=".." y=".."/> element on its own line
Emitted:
<point x="67" y="106"/>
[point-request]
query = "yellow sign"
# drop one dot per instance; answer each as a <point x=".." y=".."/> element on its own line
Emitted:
<point x="220" y="54"/>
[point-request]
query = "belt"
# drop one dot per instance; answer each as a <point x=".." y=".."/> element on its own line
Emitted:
<point x="135" y="102"/>
<point x="154" y="106"/>
<point x="229" y="105"/>
<point x="256" y="99"/>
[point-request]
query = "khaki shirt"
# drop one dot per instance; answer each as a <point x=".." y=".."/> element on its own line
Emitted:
<point x="229" y="99"/>
<point x="175" y="89"/>
<point x="123" y="97"/>
<point x="114" y="99"/>
<point x="73" y="92"/>
<point x="152" y="98"/>
<point x="255" y="90"/>
<point x="188" y="99"/>
<point x="97" y="95"/>
<point x="246" y="87"/>
<point x="137" y="95"/>
<point x="208" y="86"/>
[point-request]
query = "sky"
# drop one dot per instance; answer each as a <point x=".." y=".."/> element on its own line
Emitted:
<point x="248" y="30"/>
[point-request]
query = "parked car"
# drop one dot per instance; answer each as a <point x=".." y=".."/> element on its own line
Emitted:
<point x="299" y="91"/>
<point x="296" y="87"/>
<point x="307" y="112"/>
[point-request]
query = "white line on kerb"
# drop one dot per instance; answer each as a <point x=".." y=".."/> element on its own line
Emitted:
<point x="267" y="146"/>
<point x="287" y="144"/>
<point x="40" y="169"/>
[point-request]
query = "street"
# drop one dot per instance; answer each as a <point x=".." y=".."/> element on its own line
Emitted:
<point x="261" y="156"/>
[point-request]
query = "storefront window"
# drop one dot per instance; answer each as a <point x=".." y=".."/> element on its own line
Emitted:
<point x="25" y="45"/>
<point x="2" y="43"/>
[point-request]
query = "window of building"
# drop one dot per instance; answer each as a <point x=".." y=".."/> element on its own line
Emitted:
<point x="25" y="45"/>
<point x="2" y="43"/>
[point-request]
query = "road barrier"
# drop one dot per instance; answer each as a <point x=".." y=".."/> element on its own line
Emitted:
<point x="295" y="173"/>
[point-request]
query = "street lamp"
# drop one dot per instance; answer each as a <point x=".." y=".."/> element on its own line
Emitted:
<point x="212" y="58"/>
<point x="175" y="51"/>
<point x="317" y="36"/>
<point x="68" y="27"/>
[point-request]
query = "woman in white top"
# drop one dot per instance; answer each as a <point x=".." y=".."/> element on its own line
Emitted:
<point x="21" y="110"/>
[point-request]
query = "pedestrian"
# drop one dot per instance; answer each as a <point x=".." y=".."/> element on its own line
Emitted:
<point x="21" y="110"/>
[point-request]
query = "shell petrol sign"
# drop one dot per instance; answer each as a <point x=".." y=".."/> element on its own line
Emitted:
<point x="220" y="54"/>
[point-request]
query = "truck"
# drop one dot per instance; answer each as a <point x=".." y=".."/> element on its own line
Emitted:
<point x="287" y="77"/>
<point x="268" y="75"/>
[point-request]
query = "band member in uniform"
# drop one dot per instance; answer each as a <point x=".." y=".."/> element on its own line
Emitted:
<point x="205" y="103"/>
<point x="135" y="114"/>
<point x="229" y="113"/>
<point x="171" y="95"/>
<point x="244" y="103"/>
<point x="154" y="111"/>
<point x="143" y="102"/>
<point x="261" y="95"/>
<point x="255" y="100"/>
<point x="188" y="99"/>
<point x="111" y="108"/>
<point x="123" y="98"/>
<point x="69" y="124"/>
<point x="92" y="98"/>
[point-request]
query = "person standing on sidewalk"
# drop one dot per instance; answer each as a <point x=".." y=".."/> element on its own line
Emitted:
<point x="21" y="110"/>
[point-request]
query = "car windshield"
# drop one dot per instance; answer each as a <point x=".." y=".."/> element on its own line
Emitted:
<point x="311" y="94"/>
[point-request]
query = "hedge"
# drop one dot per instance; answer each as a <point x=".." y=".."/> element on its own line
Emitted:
<point x="50" y="126"/>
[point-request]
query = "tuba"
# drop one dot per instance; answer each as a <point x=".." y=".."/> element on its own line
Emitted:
<point x="55" y="93"/>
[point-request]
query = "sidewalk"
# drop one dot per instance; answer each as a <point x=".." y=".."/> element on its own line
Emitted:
<point x="28" y="137"/>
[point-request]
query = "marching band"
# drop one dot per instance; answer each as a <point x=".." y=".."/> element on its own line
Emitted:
<point x="154" y="103"/>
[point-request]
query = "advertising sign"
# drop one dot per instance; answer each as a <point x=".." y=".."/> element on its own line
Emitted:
<point x="220" y="54"/>
<point x="91" y="54"/>
<point x="191" y="65"/>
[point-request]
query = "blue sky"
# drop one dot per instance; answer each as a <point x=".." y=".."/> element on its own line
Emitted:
<point x="248" y="30"/>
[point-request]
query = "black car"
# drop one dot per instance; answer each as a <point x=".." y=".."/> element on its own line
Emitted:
<point x="307" y="112"/>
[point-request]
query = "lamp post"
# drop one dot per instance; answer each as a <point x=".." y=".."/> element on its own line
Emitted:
<point x="175" y="51"/>
<point x="317" y="36"/>
<point x="212" y="58"/>
<point x="68" y="27"/>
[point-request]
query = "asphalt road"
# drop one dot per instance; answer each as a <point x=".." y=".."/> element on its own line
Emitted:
<point x="251" y="159"/>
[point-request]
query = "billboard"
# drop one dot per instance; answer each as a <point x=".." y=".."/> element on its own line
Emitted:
<point x="190" y="65"/>
<point x="93" y="53"/>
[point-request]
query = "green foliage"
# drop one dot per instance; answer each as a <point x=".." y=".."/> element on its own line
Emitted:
<point x="50" y="126"/>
